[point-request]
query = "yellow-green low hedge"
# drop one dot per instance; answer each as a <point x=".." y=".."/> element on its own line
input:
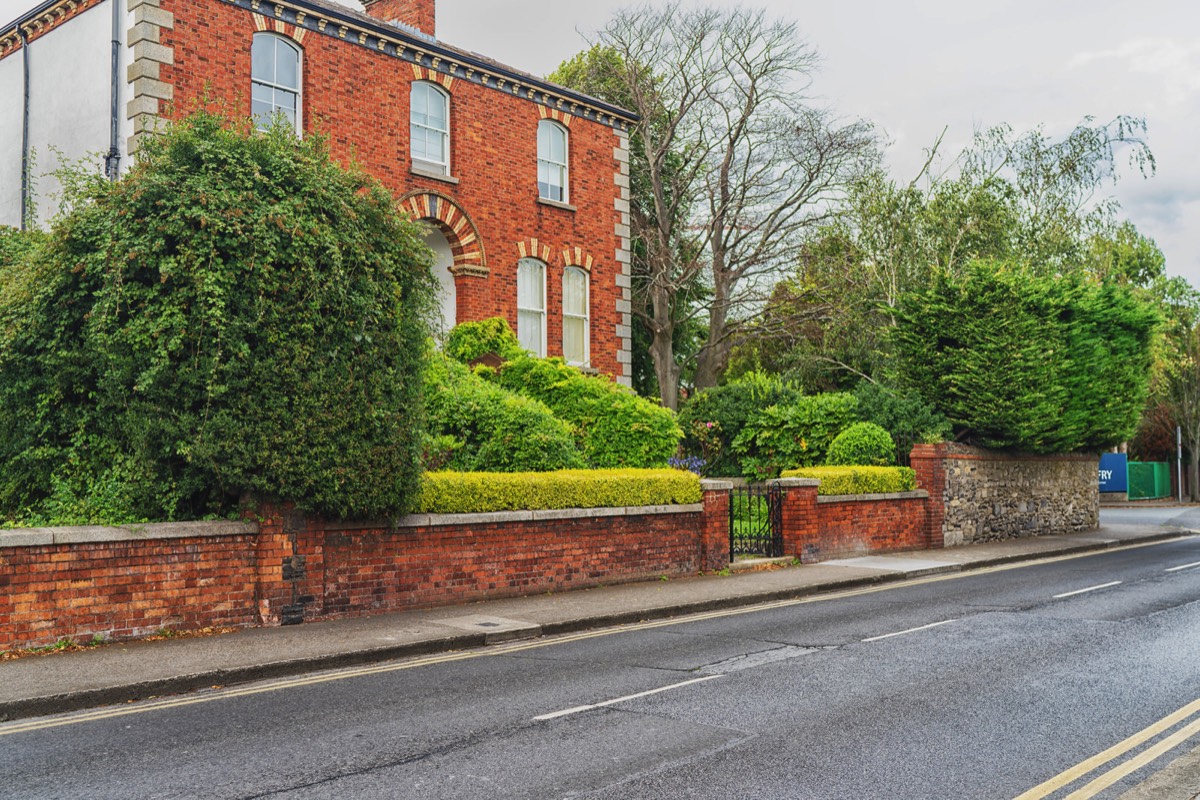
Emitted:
<point x="479" y="492"/>
<point x="858" y="480"/>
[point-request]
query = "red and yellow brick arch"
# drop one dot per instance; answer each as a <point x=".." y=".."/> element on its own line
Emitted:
<point x="455" y="224"/>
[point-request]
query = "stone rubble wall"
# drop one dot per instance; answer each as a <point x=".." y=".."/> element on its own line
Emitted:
<point x="989" y="496"/>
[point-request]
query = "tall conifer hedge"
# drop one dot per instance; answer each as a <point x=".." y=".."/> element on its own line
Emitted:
<point x="1014" y="360"/>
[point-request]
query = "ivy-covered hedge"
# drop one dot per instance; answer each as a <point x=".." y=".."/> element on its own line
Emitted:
<point x="858" y="480"/>
<point x="616" y="428"/>
<point x="479" y="492"/>
<point x="476" y="426"/>
<point x="1036" y="363"/>
<point x="238" y="315"/>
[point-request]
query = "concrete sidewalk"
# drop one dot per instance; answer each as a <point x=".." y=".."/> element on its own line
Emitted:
<point x="123" y="672"/>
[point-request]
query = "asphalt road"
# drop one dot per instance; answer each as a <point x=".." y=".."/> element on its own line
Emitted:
<point x="983" y="685"/>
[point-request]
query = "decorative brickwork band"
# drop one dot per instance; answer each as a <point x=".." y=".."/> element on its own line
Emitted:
<point x="423" y="74"/>
<point x="577" y="257"/>
<point x="555" y="114"/>
<point x="49" y="19"/>
<point x="532" y="248"/>
<point x="457" y="226"/>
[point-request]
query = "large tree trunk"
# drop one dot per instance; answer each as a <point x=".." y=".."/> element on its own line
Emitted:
<point x="662" y="347"/>
<point x="1194" y="474"/>
<point x="713" y="357"/>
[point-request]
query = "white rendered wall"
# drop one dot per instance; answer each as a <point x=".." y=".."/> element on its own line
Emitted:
<point x="11" y="90"/>
<point x="69" y="82"/>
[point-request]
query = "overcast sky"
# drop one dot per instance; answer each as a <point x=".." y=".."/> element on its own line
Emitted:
<point x="915" y="67"/>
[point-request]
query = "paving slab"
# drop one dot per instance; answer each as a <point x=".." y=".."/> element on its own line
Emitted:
<point x="893" y="564"/>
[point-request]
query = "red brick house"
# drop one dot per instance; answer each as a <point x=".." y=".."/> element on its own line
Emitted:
<point x="525" y="184"/>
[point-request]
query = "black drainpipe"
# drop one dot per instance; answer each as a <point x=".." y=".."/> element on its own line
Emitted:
<point x="112" y="162"/>
<point x="24" y="131"/>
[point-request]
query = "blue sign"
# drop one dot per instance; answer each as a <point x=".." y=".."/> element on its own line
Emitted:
<point x="1114" y="472"/>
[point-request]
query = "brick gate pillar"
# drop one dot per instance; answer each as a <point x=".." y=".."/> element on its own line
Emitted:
<point x="801" y="525"/>
<point x="714" y="541"/>
<point x="929" y="462"/>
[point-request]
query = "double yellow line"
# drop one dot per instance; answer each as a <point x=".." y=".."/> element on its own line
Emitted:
<point x="1121" y="770"/>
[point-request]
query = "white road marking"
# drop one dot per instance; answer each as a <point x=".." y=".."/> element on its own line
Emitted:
<point x="579" y="709"/>
<point x="910" y="630"/>
<point x="1184" y="566"/>
<point x="1089" y="589"/>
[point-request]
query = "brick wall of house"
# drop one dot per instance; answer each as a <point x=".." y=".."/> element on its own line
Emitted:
<point x="359" y="97"/>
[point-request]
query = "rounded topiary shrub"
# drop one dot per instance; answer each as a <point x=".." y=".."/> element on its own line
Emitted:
<point x="862" y="444"/>
<point x="239" y="315"/>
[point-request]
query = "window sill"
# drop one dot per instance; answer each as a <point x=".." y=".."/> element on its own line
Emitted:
<point x="555" y="204"/>
<point x="437" y="176"/>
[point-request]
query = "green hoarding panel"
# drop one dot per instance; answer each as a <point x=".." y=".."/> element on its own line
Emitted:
<point x="1149" y="480"/>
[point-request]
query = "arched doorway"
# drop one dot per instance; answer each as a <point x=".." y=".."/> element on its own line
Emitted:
<point x="459" y="255"/>
<point x="443" y="262"/>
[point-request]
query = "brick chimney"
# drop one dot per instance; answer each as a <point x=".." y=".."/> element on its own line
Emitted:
<point x="418" y="14"/>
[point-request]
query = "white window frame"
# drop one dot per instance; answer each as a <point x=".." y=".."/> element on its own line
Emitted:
<point x="526" y="310"/>
<point x="297" y="91"/>
<point x="586" y="316"/>
<point x="564" y="167"/>
<point x="424" y="164"/>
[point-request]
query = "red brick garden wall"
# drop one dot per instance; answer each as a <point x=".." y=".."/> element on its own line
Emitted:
<point x="821" y="528"/>
<point x="132" y="586"/>
<point x="126" y="582"/>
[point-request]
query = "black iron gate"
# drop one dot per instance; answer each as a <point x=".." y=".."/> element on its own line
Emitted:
<point x="756" y="521"/>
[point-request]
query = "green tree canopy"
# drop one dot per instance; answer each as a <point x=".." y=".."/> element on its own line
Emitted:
<point x="1018" y="360"/>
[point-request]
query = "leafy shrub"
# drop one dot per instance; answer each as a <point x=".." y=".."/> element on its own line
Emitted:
<point x="795" y="435"/>
<point x="862" y="444"/>
<point x="615" y="427"/>
<point x="858" y="480"/>
<point x="470" y="340"/>
<point x="908" y="418"/>
<point x="477" y="426"/>
<point x="713" y="419"/>
<point x="1013" y="359"/>
<point x="17" y="245"/>
<point x="238" y="315"/>
<point x="479" y="492"/>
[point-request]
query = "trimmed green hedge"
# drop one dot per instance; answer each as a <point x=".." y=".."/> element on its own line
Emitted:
<point x="858" y="480"/>
<point x="479" y="492"/>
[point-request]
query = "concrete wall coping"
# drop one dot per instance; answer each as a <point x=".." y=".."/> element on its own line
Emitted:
<point x="92" y="534"/>
<point x="503" y="517"/>
<point x="719" y="485"/>
<point x="792" y="483"/>
<point x="919" y="494"/>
